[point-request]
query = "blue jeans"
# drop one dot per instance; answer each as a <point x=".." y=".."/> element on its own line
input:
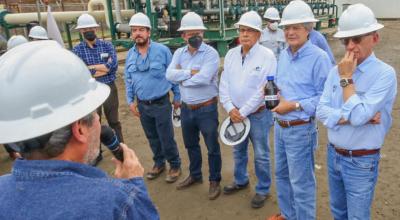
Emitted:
<point x="294" y="170"/>
<point x="204" y="120"/>
<point x="157" y="125"/>
<point x="352" y="183"/>
<point x="259" y="132"/>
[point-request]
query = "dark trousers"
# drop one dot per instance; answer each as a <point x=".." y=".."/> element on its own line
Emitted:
<point x="204" y="120"/>
<point x="157" y="125"/>
<point x="110" y="107"/>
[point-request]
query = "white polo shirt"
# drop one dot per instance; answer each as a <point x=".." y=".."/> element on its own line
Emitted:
<point x="243" y="80"/>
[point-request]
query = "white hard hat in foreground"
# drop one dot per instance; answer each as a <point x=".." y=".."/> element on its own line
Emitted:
<point x="234" y="133"/>
<point x="44" y="87"/>
<point x="86" y="21"/>
<point x="15" y="41"/>
<point x="140" y="19"/>
<point x="250" y="19"/>
<point x="357" y="20"/>
<point x="191" y="21"/>
<point x="297" y="12"/>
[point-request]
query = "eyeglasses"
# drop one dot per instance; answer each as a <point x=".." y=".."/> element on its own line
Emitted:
<point x="355" y="40"/>
<point x="248" y="30"/>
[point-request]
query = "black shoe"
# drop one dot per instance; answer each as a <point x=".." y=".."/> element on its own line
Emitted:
<point x="232" y="188"/>
<point x="258" y="200"/>
<point x="97" y="160"/>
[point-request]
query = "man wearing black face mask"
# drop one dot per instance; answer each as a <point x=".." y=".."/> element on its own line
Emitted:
<point x="195" y="68"/>
<point x="101" y="59"/>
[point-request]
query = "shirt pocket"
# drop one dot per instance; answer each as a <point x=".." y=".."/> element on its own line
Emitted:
<point x="157" y="70"/>
<point x="254" y="78"/>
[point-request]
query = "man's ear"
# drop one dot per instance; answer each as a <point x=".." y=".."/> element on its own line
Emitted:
<point x="80" y="131"/>
<point x="375" y="38"/>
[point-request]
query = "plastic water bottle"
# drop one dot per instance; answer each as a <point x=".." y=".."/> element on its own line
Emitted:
<point x="271" y="93"/>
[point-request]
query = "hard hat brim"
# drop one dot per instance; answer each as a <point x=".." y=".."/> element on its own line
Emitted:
<point x="359" y="31"/>
<point x="225" y="125"/>
<point x="86" y="26"/>
<point x="175" y="122"/>
<point x="297" y="21"/>
<point x="272" y="18"/>
<point x="31" y="127"/>
<point x="247" y="25"/>
<point x="139" y="25"/>
<point x="38" y="37"/>
<point x="192" y="28"/>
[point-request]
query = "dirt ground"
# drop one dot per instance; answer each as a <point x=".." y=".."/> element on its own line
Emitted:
<point x="193" y="204"/>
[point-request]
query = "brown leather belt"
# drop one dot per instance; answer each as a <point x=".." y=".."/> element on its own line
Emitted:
<point x="260" y="109"/>
<point x="199" y="105"/>
<point x="286" y="124"/>
<point x="354" y="153"/>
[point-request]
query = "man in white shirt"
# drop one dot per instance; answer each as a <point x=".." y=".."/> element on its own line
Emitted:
<point x="241" y="92"/>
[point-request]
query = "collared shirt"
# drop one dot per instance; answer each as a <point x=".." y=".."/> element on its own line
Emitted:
<point x="319" y="40"/>
<point x="301" y="77"/>
<point x="202" y="86"/>
<point x="274" y="40"/>
<point x="376" y="88"/>
<point x="102" y="53"/>
<point x="56" y="189"/>
<point x="242" y="85"/>
<point x="145" y="76"/>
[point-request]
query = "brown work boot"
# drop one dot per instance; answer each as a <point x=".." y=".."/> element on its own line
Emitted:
<point x="155" y="172"/>
<point x="214" y="190"/>
<point x="276" y="217"/>
<point x="173" y="175"/>
<point x="188" y="181"/>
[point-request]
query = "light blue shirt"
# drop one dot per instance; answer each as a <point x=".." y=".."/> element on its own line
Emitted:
<point x="202" y="86"/>
<point x="145" y="76"/>
<point x="319" y="40"/>
<point x="376" y="88"/>
<point x="301" y="77"/>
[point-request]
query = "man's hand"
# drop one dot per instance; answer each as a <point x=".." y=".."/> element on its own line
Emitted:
<point x="194" y="72"/>
<point x="342" y="121"/>
<point x="376" y="119"/>
<point x="347" y="65"/>
<point x="131" y="166"/>
<point x="235" y="116"/>
<point x="134" y="109"/>
<point x="284" y="107"/>
<point x="177" y="104"/>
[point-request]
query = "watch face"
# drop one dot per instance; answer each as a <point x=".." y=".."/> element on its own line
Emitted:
<point x="343" y="83"/>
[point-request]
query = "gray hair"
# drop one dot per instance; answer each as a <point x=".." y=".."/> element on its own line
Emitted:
<point x="56" y="143"/>
<point x="308" y="26"/>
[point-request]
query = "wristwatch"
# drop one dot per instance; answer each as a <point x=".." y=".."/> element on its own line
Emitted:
<point x="345" y="82"/>
<point x="297" y="106"/>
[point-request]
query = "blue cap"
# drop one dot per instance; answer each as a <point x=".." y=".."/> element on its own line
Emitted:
<point x="270" y="78"/>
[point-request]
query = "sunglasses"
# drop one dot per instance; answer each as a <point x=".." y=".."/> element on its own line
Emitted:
<point x="355" y="40"/>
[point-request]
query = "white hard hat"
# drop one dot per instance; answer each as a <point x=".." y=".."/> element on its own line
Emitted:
<point x="38" y="32"/>
<point x="176" y="117"/>
<point x="250" y="19"/>
<point x="234" y="133"/>
<point x="15" y="41"/>
<point x="272" y="14"/>
<point x="86" y="21"/>
<point x="40" y="95"/>
<point x="297" y="12"/>
<point x="191" y="21"/>
<point x="356" y="20"/>
<point x="140" y="19"/>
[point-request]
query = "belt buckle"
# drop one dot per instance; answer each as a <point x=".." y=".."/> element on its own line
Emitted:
<point x="287" y="123"/>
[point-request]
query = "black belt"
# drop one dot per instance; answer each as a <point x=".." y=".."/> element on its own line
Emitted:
<point x="154" y="101"/>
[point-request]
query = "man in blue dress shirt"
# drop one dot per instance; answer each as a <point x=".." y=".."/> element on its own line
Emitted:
<point x="145" y="81"/>
<point x="195" y="68"/>
<point x="101" y="59"/>
<point x="301" y="74"/>
<point x="356" y="108"/>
